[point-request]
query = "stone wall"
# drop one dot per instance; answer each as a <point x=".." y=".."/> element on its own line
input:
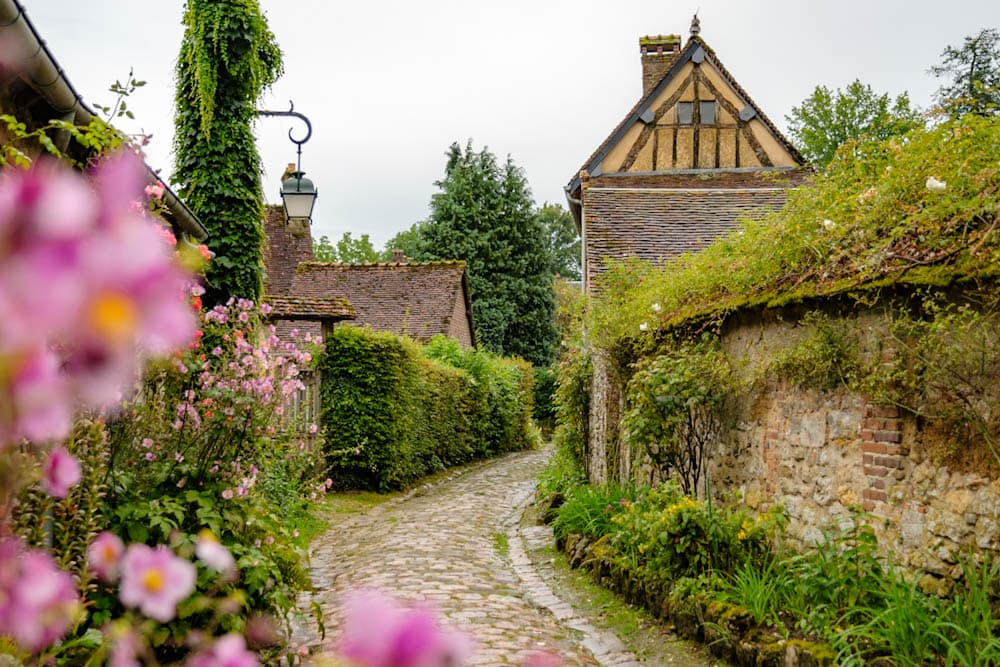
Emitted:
<point x="823" y="455"/>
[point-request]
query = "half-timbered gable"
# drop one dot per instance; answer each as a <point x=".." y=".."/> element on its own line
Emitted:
<point x="692" y="157"/>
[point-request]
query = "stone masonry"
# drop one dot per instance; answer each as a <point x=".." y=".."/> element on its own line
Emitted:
<point x="825" y="455"/>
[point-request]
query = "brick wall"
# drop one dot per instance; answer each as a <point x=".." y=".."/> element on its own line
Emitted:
<point x="459" y="326"/>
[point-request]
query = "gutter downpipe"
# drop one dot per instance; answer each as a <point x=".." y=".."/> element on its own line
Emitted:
<point x="583" y="237"/>
<point x="43" y="73"/>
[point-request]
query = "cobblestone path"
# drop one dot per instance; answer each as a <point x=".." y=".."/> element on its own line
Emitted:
<point x="456" y="546"/>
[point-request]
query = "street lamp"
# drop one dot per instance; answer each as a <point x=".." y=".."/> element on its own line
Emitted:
<point x="297" y="192"/>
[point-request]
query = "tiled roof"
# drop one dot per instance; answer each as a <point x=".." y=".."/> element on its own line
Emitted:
<point x="415" y="299"/>
<point x="310" y="308"/>
<point x="657" y="224"/>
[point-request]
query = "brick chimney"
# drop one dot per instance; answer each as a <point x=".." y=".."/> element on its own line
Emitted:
<point x="657" y="52"/>
<point x="398" y="257"/>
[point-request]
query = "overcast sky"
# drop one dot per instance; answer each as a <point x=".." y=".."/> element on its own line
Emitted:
<point x="389" y="85"/>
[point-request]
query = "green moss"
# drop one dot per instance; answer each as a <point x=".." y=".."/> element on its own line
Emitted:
<point x="821" y="653"/>
<point x="867" y="222"/>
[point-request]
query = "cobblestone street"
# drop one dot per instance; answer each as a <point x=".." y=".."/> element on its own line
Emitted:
<point x="457" y="546"/>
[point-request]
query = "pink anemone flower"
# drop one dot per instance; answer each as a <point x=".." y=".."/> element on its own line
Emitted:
<point x="38" y="601"/>
<point x="60" y="473"/>
<point x="155" y="580"/>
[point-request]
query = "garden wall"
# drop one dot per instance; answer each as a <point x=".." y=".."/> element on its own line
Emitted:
<point x="824" y="453"/>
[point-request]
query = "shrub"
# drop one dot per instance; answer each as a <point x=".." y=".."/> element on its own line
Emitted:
<point x="823" y="360"/>
<point x="545" y="386"/>
<point x="675" y="410"/>
<point x="394" y="411"/>
<point x="672" y="535"/>
<point x="572" y="403"/>
<point x="204" y="444"/>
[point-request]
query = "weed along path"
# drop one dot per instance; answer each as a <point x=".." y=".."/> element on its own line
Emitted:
<point x="458" y="546"/>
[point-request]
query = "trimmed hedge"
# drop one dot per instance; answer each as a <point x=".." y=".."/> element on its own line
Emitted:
<point x="394" y="411"/>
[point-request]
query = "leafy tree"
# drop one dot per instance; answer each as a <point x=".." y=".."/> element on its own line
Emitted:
<point x="228" y="57"/>
<point x="410" y="241"/>
<point x="348" y="250"/>
<point x="827" y="119"/>
<point x="562" y="244"/>
<point x="483" y="215"/>
<point x="974" y="73"/>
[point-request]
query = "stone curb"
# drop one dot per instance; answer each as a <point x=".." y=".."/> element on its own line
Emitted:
<point x="606" y="647"/>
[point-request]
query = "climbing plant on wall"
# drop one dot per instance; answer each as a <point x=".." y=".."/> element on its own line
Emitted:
<point x="228" y="57"/>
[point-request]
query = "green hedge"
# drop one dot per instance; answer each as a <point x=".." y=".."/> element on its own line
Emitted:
<point x="394" y="411"/>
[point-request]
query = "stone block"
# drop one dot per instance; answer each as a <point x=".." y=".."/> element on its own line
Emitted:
<point x="987" y="534"/>
<point x="813" y="431"/>
<point x="841" y="424"/>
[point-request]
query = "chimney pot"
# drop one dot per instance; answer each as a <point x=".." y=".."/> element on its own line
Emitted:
<point x="398" y="257"/>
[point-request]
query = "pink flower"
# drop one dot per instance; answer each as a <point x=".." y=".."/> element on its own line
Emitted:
<point x="104" y="556"/>
<point x="60" y="472"/>
<point x="83" y="273"/>
<point x="212" y="553"/>
<point x="41" y="409"/>
<point x="38" y="601"/>
<point x="155" y="191"/>
<point x="313" y="428"/>
<point x="124" y="648"/>
<point x="380" y="633"/>
<point x="228" y="494"/>
<point x="227" y="651"/>
<point x="155" y="580"/>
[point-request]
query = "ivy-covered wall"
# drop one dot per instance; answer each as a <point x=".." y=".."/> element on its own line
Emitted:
<point x="394" y="411"/>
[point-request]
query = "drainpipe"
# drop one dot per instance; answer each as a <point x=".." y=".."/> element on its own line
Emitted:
<point x="42" y="72"/>
<point x="583" y="235"/>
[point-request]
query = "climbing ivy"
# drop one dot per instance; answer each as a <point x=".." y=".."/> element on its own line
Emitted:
<point x="228" y="57"/>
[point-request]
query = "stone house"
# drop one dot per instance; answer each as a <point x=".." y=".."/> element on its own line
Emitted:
<point x="417" y="299"/>
<point x="35" y="90"/>
<point x="690" y="158"/>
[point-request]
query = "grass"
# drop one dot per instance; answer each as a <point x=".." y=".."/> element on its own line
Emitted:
<point x="756" y="590"/>
<point x="500" y="544"/>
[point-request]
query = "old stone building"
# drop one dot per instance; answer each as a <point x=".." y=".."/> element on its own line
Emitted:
<point x="691" y="157"/>
<point x="416" y="299"/>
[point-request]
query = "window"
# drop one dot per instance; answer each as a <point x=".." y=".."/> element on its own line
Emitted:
<point x="708" y="113"/>
<point x="685" y="113"/>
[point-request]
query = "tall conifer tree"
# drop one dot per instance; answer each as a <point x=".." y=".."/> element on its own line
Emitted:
<point x="484" y="215"/>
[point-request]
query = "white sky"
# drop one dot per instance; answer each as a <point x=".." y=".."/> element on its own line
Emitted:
<point x="388" y="85"/>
